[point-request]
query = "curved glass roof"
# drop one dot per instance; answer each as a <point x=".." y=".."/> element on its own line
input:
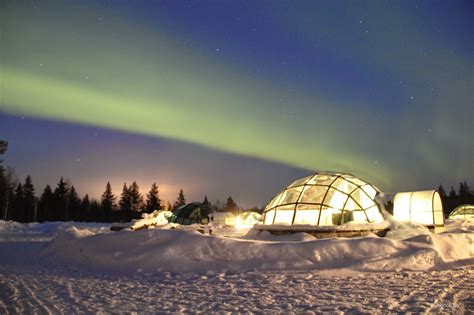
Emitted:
<point x="191" y="213"/>
<point x="463" y="212"/>
<point x="324" y="199"/>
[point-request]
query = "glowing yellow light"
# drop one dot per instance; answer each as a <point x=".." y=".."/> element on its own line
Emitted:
<point x="247" y="220"/>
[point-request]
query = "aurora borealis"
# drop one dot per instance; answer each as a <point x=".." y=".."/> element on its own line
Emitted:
<point x="270" y="88"/>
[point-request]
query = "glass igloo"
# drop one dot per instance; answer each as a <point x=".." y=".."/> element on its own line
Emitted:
<point x="463" y="212"/>
<point x="325" y="200"/>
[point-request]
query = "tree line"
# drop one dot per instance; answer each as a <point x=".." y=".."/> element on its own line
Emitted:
<point x="19" y="202"/>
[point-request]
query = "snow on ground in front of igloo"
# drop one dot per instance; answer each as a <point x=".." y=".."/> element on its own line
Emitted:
<point x="72" y="267"/>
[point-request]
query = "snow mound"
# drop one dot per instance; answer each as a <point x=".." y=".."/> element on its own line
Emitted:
<point x="185" y="251"/>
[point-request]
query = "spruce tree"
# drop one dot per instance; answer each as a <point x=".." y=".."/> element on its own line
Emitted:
<point x="60" y="201"/>
<point x="30" y="200"/>
<point x="74" y="204"/>
<point x="441" y="191"/>
<point x="85" y="209"/>
<point x="108" y="200"/>
<point x="230" y="205"/>
<point x="181" y="201"/>
<point x="452" y="193"/>
<point x="464" y="190"/>
<point x="46" y="204"/>
<point x="4" y="184"/>
<point x="125" y="203"/>
<point x="136" y="199"/>
<point x="95" y="212"/>
<point x="153" y="201"/>
<point x="19" y="208"/>
<point x="3" y="149"/>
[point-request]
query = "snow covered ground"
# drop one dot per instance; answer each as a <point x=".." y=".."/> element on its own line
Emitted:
<point x="74" y="268"/>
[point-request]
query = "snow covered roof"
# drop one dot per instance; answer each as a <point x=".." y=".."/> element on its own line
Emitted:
<point x="324" y="199"/>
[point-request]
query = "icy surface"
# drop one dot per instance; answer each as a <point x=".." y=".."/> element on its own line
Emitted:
<point x="73" y="267"/>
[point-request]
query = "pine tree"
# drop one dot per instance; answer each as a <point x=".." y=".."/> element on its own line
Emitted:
<point x="60" y="201"/>
<point x="136" y="199"/>
<point x="46" y="204"/>
<point x="85" y="209"/>
<point x="153" y="201"/>
<point x="30" y="200"/>
<point x="464" y="190"/>
<point x="3" y="149"/>
<point x="19" y="204"/>
<point x="74" y="204"/>
<point x="95" y="212"/>
<point x="4" y="184"/>
<point x="125" y="203"/>
<point x="230" y="205"/>
<point x="442" y="192"/>
<point x="108" y="199"/>
<point x="181" y="201"/>
<point x="452" y="193"/>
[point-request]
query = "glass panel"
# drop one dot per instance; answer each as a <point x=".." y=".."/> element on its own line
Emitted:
<point x="355" y="181"/>
<point x="345" y="186"/>
<point x="374" y="214"/>
<point x="370" y="191"/>
<point x="308" y="207"/>
<point x="330" y="216"/>
<point x="287" y="207"/>
<point x="362" y="199"/>
<point x="335" y="199"/>
<point x="313" y="194"/>
<point x="300" y="181"/>
<point x="337" y="182"/>
<point x="322" y="180"/>
<point x="290" y="195"/>
<point x="274" y="201"/>
<point x="351" y="205"/>
<point x="269" y="217"/>
<point x="284" y="217"/>
<point x="306" y="217"/>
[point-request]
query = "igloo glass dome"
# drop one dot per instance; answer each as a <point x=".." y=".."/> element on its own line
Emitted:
<point x="324" y="199"/>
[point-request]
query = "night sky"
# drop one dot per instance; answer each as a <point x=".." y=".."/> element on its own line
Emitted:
<point x="237" y="97"/>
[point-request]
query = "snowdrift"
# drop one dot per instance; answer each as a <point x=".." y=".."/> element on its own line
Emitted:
<point x="184" y="251"/>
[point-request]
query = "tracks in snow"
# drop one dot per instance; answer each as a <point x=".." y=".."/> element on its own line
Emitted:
<point x="55" y="291"/>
